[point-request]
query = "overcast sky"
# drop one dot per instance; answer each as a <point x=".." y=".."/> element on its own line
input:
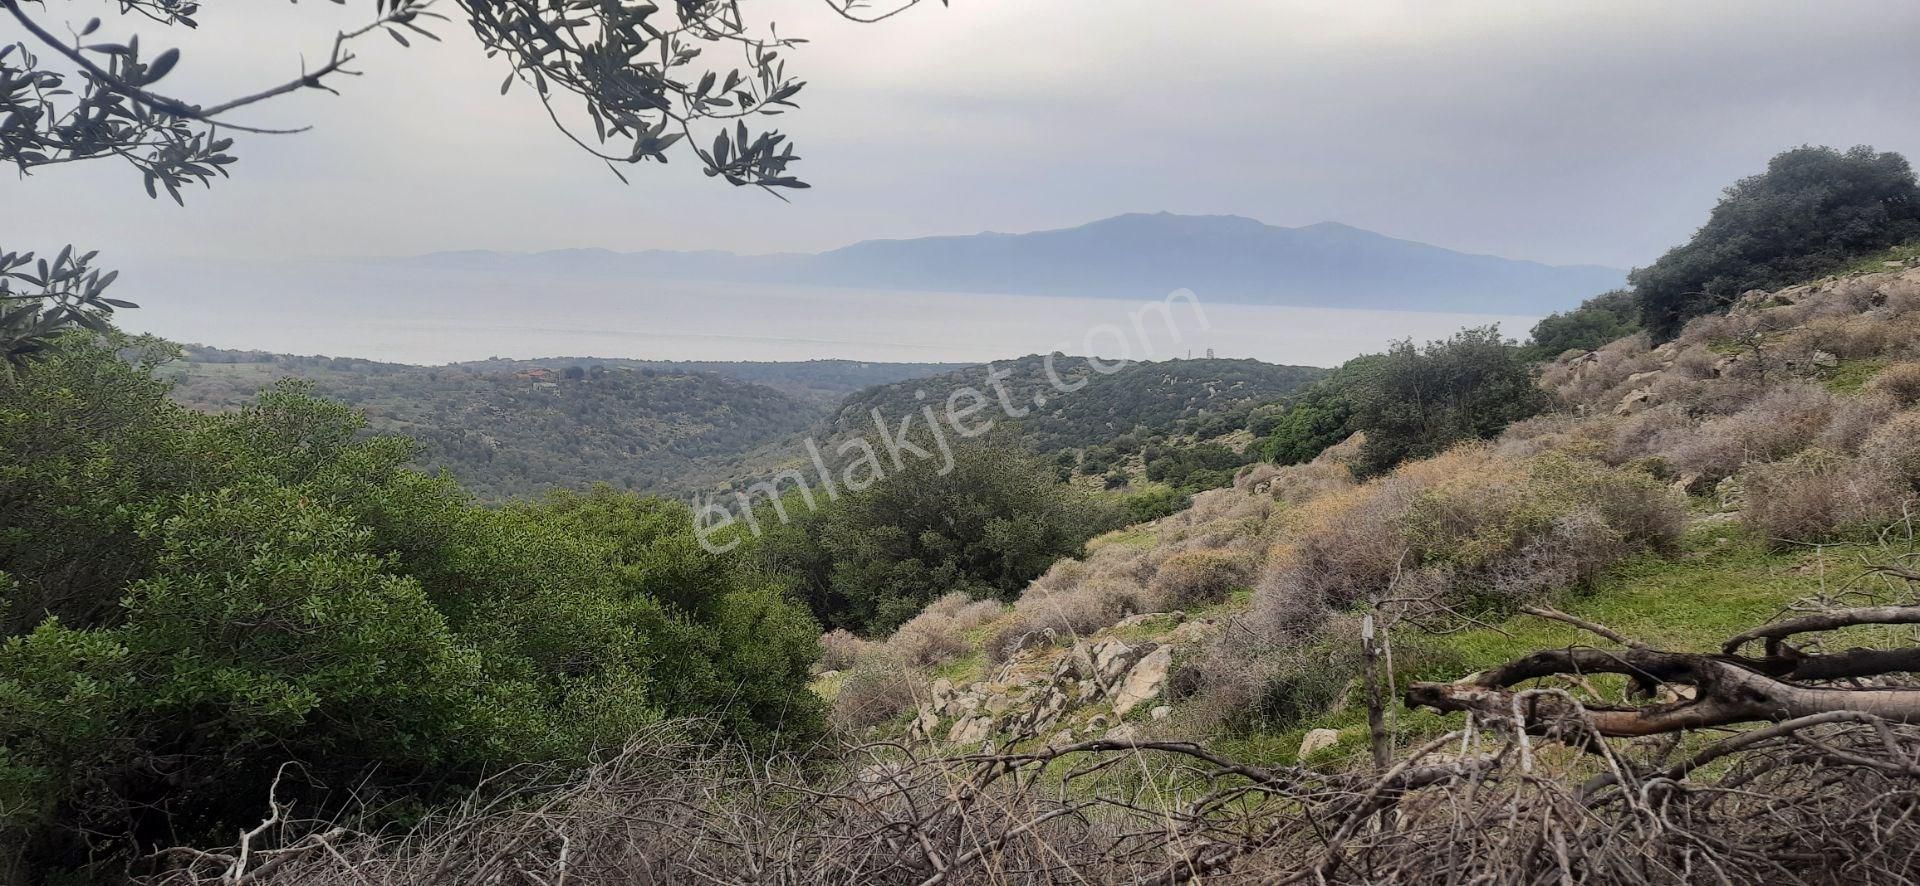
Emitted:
<point x="1592" y="131"/>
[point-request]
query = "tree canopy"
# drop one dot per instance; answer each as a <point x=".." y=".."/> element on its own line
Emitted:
<point x="190" y="601"/>
<point x="1811" y="210"/>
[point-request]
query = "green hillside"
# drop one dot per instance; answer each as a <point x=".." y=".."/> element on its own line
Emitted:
<point x="515" y="433"/>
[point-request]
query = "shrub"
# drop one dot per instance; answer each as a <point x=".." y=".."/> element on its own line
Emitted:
<point x="1589" y="379"/>
<point x="1569" y="554"/>
<point x="1899" y="383"/>
<point x="1599" y="320"/>
<point x="986" y="528"/>
<point x="1246" y="681"/>
<point x="938" y="633"/>
<point x="1848" y="336"/>
<point x="195" y="600"/>
<point x="839" y="649"/>
<point x="1818" y="495"/>
<point x="1460" y="525"/>
<point x="1855" y="419"/>
<point x="1086" y="607"/>
<point x="878" y="689"/>
<point x="1294" y="484"/>
<point x="1198" y="577"/>
<point x="1895" y="449"/>
<point x="1783" y="421"/>
<point x="1420" y="401"/>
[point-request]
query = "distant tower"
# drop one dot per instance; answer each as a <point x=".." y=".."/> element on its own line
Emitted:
<point x="1209" y="353"/>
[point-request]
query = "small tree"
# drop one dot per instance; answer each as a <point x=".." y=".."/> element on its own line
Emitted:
<point x="1598" y="320"/>
<point x="1419" y="401"/>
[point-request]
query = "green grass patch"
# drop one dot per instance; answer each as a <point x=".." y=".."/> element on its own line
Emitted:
<point x="1906" y="254"/>
<point x="1851" y="375"/>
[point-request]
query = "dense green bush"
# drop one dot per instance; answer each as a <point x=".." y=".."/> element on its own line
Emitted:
<point x="1419" y="401"/>
<point x="1194" y="467"/>
<point x="993" y="523"/>
<point x="1317" y="417"/>
<point x="1598" y="320"/>
<point x="1812" y="210"/>
<point x="192" y="601"/>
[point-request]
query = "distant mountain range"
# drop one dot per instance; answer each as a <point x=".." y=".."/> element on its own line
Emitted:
<point x="1220" y="257"/>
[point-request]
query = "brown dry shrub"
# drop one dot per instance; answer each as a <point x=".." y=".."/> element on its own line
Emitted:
<point x="839" y="648"/>
<point x="1556" y="432"/>
<point x="1894" y="448"/>
<point x="1093" y="604"/>
<point x="1785" y="420"/>
<point x="1849" y="337"/>
<point x="1345" y="452"/>
<point x="1218" y="518"/>
<point x="1903" y="295"/>
<point x="1644" y="433"/>
<point x="1819" y="495"/>
<point x="1572" y="552"/>
<point x="1293" y="484"/>
<point x="1199" y="577"/>
<point x="880" y="687"/>
<point x="1464" y="522"/>
<point x="938" y="633"/>
<point x="1899" y="383"/>
<point x="1246" y="678"/>
<point x="1590" y="380"/>
<point x="1342" y="545"/>
<point x="1854" y="420"/>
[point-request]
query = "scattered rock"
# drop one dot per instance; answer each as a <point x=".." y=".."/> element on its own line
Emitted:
<point x="1162" y="712"/>
<point x="1144" y="681"/>
<point x="970" y="730"/>
<point x="1825" y="359"/>
<point x="923" y="724"/>
<point x="1317" y="740"/>
<point x="1112" y="659"/>
<point x="1193" y="632"/>
<point x="1634" y="401"/>
<point x="1730" y="494"/>
<point x="1122" y="732"/>
<point x="1175" y="616"/>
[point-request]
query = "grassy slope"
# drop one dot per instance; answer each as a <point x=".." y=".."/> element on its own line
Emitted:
<point x="1721" y="582"/>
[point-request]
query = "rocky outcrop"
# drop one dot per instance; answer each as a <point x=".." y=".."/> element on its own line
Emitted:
<point x="1144" y="681"/>
<point x="1317" y="740"/>
<point x="1089" y="692"/>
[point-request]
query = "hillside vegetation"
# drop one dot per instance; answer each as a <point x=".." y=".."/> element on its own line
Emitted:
<point x="1642" y="611"/>
<point x="1097" y="422"/>
<point x="518" y="428"/>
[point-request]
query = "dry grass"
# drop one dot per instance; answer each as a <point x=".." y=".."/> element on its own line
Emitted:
<point x="1899" y="383"/>
<point x="839" y="649"/>
<point x="878" y="689"/>
<point x="938" y="634"/>
<point x="1819" y="495"/>
<point x="1200" y="577"/>
<point x="1459" y="525"/>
